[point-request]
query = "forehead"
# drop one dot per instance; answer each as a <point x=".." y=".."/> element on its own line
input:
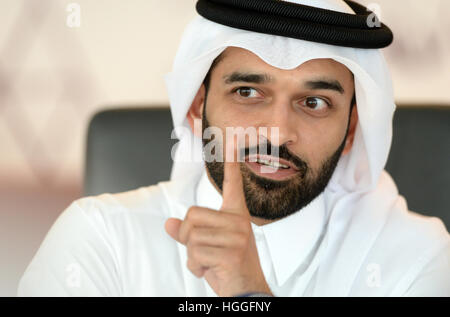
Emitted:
<point x="238" y="58"/>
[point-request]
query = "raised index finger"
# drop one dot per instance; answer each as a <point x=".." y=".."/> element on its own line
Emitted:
<point x="233" y="187"/>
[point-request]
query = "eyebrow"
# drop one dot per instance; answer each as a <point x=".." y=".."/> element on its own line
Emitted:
<point x="319" y="84"/>
<point x="330" y="84"/>
<point x="247" y="78"/>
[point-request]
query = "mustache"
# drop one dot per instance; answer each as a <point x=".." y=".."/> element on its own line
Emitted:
<point x="282" y="151"/>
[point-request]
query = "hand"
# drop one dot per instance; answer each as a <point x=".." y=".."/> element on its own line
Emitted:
<point x="220" y="244"/>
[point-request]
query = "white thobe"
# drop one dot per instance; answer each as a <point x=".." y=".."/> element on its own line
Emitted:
<point x="116" y="245"/>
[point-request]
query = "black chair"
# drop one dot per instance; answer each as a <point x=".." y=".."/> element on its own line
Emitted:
<point x="420" y="157"/>
<point x="128" y="148"/>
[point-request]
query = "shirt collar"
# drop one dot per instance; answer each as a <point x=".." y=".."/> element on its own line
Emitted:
<point x="290" y="240"/>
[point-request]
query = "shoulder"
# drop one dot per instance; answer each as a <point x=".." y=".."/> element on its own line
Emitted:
<point x="415" y="231"/>
<point x="108" y="221"/>
<point x="155" y="201"/>
<point x="94" y="234"/>
<point x="412" y="247"/>
<point x="133" y="201"/>
<point x="124" y="214"/>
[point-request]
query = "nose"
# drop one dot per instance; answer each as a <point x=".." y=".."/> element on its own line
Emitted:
<point x="282" y="119"/>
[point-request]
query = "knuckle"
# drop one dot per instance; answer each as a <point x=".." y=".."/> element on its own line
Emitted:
<point x="190" y="252"/>
<point x="191" y="264"/>
<point x="190" y="213"/>
<point x="193" y="267"/>
<point x="194" y="236"/>
<point x="193" y="252"/>
<point x="184" y="236"/>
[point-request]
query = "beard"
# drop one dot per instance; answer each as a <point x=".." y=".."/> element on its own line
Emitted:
<point x="275" y="199"/>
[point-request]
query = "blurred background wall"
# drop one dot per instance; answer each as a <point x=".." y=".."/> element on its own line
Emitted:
<point x="54" y="75"/>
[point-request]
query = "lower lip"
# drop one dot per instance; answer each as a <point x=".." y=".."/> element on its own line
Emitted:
<point x="270" y="172"/>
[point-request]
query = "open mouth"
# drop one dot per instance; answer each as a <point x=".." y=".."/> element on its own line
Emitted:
<point x="271" y="167"/>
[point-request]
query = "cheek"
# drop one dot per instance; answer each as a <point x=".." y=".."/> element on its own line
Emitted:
<point x="216" y="112"/>
<point x="320" y="142"/>
<point x="226" y="113"/>
<point x="225" y="117"/>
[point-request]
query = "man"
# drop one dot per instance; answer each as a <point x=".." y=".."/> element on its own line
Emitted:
<point x="315" y="215"/>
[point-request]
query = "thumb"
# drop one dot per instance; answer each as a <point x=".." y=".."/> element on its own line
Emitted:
<point x="172" y="227"/>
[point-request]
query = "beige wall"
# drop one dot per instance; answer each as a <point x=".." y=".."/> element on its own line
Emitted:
<point x="419" y="58"/>
<point x="54" y="78"/>
<point x="59" y="76"/>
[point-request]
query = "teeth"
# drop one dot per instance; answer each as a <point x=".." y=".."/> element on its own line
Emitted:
<point x="272" y="163"/>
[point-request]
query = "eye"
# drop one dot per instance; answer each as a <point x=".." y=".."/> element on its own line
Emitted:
<point x="315" y="103"/>
<point x="246" y="92"/>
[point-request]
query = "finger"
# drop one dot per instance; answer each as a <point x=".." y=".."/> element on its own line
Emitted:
<point x="207" y="257"/>
<point x="185" y="229"/>
<point x="201" y="236"/>
<point x="172" y="227"/>
<point x="232" y="188"/>
<point x="203" y="217"/>
<point x="196" y="269"/>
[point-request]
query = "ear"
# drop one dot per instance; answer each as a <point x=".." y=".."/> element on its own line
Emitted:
<point x="196" y="110"/>
<point x="351" y="130"/>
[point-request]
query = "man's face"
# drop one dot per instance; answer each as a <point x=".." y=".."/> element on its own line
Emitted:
<point x="310" y="107"/>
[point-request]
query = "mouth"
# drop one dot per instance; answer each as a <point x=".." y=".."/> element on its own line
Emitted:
<point x="271" y="167"/>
